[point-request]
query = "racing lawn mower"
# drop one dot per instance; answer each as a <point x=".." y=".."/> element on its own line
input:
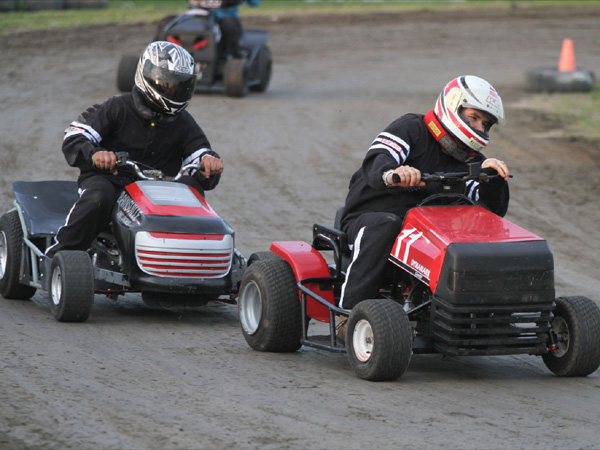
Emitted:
<point x="461" y="281"/>
<point x="165" y="241"/>
<point x="197" y="32"/>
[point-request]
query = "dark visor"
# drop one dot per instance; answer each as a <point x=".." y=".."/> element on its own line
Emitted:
<point x="174" y="86"/>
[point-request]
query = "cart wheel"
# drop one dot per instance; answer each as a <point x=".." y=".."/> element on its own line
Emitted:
<point x="11" y="251"/>
<point x="576" y="330"/>
<point x="71" y="286"/>
<point x="378" y="340"/>
<point x="234" y="78"/>
<point x="269" y="307"/>
<point x="126" y="72"/>
<point x="265" y="65"/>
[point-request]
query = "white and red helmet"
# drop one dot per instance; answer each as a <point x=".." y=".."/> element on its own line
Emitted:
<point x="468" y="91"/>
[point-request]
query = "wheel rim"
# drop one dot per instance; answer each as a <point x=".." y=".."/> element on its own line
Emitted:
<point x="561" y="332"/>
<point x="3" y="254"/>
<point x="250" y="308"/>
<point x="56" y="289"/>
<point x="362" y="340"/>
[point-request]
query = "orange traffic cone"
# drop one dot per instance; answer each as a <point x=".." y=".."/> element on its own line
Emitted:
<point x="566" y="63"/>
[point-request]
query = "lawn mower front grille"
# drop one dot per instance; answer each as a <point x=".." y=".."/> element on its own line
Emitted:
<point x="181" y="257"/>
<point x="491" y="329"/>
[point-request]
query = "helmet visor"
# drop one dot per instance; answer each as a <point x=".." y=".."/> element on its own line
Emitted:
<point x="174" y="86"/>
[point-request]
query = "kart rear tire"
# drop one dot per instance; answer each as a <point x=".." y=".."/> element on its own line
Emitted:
<point x="379" y="340"/>
<point x="11" y="252"/>
<point x="263" y="256"/>
<point x="234" y="78"/>
<point x="265" y="66"/>
<point x="269" y="307"/>
<point x="576" y="327"/>
<point x="126" y="72"/>
<point x="71" y="292"/>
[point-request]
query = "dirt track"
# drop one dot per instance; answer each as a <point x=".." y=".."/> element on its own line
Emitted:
<point x="134" y="377"/>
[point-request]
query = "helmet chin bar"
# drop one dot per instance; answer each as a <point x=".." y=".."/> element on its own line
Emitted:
<point x="164" y="106"/>
<point x="449" y="144"/>
<point x="455" y="150"/>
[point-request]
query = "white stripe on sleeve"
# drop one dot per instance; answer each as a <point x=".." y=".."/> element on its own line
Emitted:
<point x="80" y="128"/>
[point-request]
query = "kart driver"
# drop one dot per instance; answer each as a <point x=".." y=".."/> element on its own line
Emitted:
<point x="151" y="124"/>
<point x="443" y="140"/>
<point x="226" y="14"/>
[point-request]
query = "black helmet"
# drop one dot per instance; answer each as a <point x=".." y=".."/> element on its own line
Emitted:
<point x="166" y="77"/>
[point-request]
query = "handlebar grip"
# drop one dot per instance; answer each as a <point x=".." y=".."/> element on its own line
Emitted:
<point x="489" y="171"/>
<point x="424" y="177"/>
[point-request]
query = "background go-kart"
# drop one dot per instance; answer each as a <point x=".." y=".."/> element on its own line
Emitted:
<point x="134" y="377"/>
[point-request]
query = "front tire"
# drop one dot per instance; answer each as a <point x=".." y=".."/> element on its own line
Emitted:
<point x="11" y="253"/>
<point x="576" y="330"/>
<point x="378" y="340"/>
<point x="269" y="307"/>
<point x="71" y="286"/>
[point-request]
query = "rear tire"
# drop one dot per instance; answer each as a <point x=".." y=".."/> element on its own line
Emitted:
<point x="71" y="286"/>
<point x="576" y="329"/>
<point x="378" y="340"/>
<point x="126" y="72"/>
<point x="269" y="307"/>
<point x="11" y="253"/>
<point x="234" y="78"/>
<point x="263" y="256"/>
<point x="265" y="65"/>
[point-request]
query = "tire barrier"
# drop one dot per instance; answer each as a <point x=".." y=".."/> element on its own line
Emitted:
<point x="564" y="78"/>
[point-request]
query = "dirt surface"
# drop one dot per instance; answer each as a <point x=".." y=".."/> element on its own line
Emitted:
<point x="136" y="377"/>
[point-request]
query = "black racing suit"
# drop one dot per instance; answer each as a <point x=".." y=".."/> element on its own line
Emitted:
<point x="374" y="213"/>
<point x="124" y="123"/>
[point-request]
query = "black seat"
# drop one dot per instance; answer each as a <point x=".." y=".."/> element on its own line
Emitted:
<point x="326" y="237"/>
<point x="45" y="204"/>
